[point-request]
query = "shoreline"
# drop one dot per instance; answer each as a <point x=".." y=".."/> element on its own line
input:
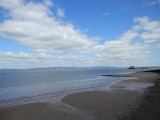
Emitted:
<point x="113" y="104"/>
<point x="100" y="105"/>
<point x="55" y="97"/>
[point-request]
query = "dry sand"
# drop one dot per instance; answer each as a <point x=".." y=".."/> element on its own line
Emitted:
<point x="93" y="105"/>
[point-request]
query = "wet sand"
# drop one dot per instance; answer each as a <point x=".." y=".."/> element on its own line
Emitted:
<point x="117" y="103"/>
<point x="150" y="107"/>
<point x="39" y="111"/>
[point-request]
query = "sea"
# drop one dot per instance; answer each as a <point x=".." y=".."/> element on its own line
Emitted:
<point x="21" y="86"/>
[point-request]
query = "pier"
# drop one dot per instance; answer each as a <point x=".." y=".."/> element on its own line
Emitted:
<point x="150" y="67"/>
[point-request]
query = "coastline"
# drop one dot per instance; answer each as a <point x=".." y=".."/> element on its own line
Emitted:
<point x="117" y="103"/>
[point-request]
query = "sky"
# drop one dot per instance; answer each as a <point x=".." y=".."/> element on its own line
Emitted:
<point x="79" y="33"/>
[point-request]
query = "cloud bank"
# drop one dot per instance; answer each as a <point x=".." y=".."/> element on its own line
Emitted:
<point x="36" y="26"/>
<point x="33" y="25"/>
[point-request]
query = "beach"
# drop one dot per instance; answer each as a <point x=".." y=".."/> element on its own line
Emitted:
<point x="121" y="101"/>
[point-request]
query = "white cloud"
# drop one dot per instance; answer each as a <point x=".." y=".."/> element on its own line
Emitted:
<point x="125" y="49"/>
<point x="34" y="25"/>
<point x="48" y="2"/>
<point x="28" y="60"/>
<point x="60" y="12"/>
<point x="151" y="2"/>
<point x="10" y="4"/>
<point x="151" y="29"/>
<point x="122" y="49"/>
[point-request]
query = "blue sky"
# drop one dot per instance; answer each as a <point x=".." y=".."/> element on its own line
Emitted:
<point x="52" y="33"/>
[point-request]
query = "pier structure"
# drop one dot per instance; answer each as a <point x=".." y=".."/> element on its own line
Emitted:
<point x="150" y="67"/>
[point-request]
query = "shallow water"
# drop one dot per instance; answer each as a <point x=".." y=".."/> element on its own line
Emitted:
<point x="32" y="85"/>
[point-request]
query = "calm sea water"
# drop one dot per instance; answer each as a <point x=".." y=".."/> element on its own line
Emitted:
<point x="25" y="86"/>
